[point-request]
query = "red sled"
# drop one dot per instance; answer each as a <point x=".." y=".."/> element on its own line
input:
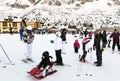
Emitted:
<point x="37" y="73"/>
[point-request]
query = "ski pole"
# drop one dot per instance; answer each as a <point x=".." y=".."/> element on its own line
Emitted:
<point x="6" y="54"/>
<point x="79" y="68"/>
<point x="91" y="53"/>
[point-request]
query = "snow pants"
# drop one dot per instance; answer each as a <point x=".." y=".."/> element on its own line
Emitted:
<point x="76" y="49"/>
<point x="83" y="56"/>
<point x="99" y="56"/>
<point x="28" y="50"/>
<point x="58" y="57"/>
<point x="113" y="46"/>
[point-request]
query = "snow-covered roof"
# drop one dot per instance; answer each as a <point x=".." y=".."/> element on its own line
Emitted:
<point x="14" y="19"/>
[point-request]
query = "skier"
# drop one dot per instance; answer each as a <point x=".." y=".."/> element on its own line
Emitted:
<point x="85" y="49"/>
<point x="21" y="33"/>
<point x="28" y="37"/>
<point x="63" y="37"/>
<point x="116" y="40"/>
<point x="105" y="38"/>
<point x="85" y="32"/>
<point x="58" y="48"/>
<point x="45" y="62"/>
<point x="99" y="46"/>
<point x="76" y="46"/>
<point x="80" y="34"/>
<point x="109" y="42"/>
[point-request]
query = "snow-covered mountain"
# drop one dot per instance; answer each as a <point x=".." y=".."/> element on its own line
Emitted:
<point x="63" y="12"/>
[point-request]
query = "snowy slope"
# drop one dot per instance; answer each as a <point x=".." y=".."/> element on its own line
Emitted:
<point x="15" y="50"/>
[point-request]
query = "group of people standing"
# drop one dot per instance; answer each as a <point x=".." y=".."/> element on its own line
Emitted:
<point x="27" y="36"/>
<point x="99" y="44"/>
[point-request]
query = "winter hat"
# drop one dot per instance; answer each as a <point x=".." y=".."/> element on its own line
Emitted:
<point x="76" y="40"/>
<point x="46" y="54"/>
<point x="58" y="33"/>
<point x="29" y="28"/>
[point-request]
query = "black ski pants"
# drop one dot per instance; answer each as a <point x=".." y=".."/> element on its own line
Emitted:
<point x="58" y="57"/>
<point x="113" y="46"/>
<point x="99" y="56"/>
<point x="76" y="50"/>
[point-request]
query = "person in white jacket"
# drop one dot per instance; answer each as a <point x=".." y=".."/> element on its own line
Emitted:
<point x="58" y="48"/>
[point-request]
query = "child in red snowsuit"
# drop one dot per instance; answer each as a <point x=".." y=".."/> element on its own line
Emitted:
<point x="76" y="46"/>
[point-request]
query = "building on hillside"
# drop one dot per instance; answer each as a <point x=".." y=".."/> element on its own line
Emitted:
<point x="7" y="23"/>
<point x="15" y="25"/>
<point x="35" y="25"/>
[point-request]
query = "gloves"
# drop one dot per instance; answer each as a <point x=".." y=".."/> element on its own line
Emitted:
<point x="103" y="49"/>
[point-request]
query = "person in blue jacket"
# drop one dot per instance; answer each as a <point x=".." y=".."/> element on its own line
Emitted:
<point x="21" y="33"/>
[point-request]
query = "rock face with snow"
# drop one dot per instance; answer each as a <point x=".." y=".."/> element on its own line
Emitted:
<point x="63" y="12"/>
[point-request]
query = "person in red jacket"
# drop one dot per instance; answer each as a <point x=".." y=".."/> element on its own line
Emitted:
<point x="76" y="46"/>
<point x="115" y="35"/>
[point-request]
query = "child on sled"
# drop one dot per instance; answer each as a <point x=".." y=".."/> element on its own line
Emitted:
<point x="43" y="67"/>
<point x="45" y="62"/>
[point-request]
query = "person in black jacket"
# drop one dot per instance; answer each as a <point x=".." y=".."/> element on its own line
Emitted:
<point x="63" y="34"/>
<point x="85" y="32"/>
<point x="45" y="63"/>
<point x="45" y="60"/>
<point x="99" y="46"/>
<point x="63" y="37"/>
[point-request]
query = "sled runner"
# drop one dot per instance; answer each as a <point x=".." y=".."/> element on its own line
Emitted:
<point x="38" y="73"/>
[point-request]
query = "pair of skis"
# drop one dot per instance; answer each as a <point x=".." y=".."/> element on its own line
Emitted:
<point x="27" y="61"/>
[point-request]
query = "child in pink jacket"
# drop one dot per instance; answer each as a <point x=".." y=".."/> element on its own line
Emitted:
<point x="76" y="46"/>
